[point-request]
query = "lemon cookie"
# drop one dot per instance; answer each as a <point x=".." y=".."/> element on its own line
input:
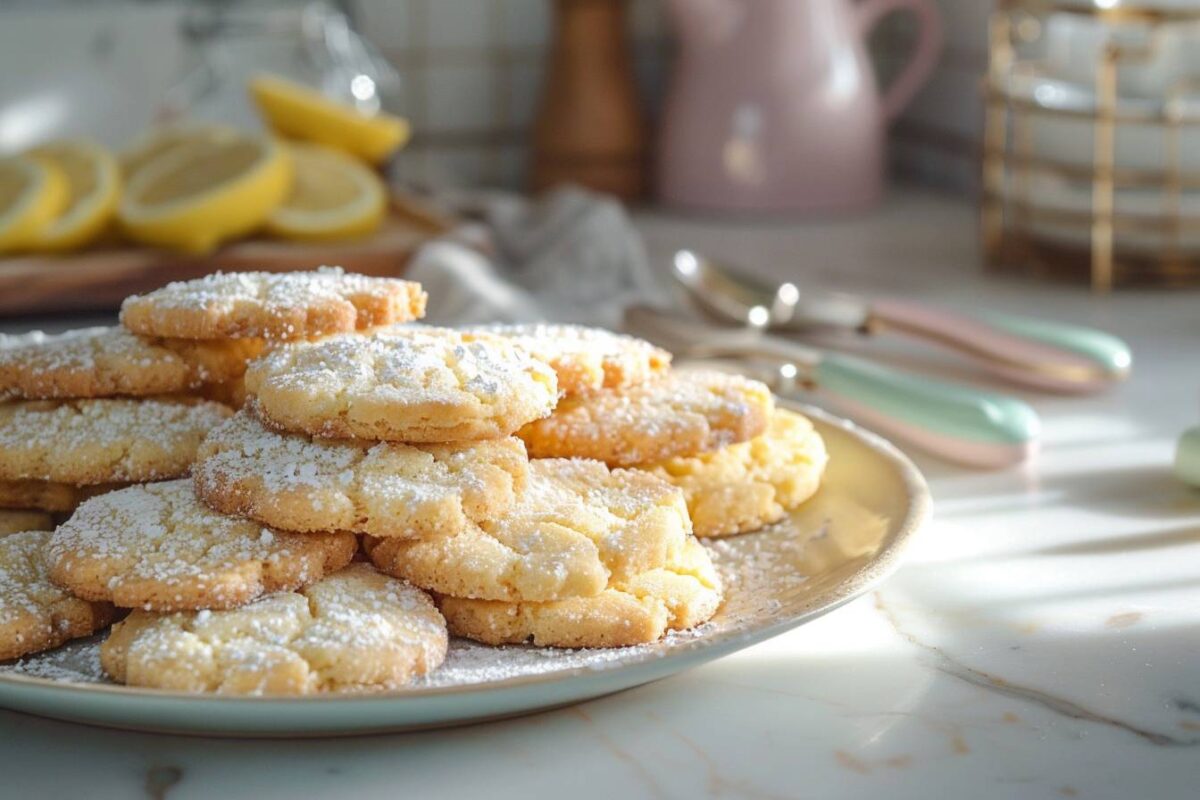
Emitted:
<point x="35" y="614"/>
<point x="156" y="547"/>
<point x="354" y="630"/>
<point x="17" y="521"/>
<point x="103" y="440"/>
<point x="576" y="526"/>
<point x="748" y="485"/>
<point x="402" y="384"/>
<point x="638" y="610"/>
<point x="297" y="483"/>
<point x="291" y="305"/>
<point x="679" y="414"/>
<point x="105" y="362"/>
<point x="587" y="360"/>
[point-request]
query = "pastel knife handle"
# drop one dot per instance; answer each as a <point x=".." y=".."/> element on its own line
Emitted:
<point x="1045" y="355"/>
<point x="958" y="423"/>
<point x="1187" y="457"/>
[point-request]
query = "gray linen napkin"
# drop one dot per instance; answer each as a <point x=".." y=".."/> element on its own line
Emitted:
<point x="570" y="256"/>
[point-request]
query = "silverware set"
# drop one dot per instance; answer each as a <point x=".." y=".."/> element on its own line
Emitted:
<point x="733" y="316"/>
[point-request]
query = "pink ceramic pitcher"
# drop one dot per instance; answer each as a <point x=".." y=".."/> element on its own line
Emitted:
<point x="774" y="106"/>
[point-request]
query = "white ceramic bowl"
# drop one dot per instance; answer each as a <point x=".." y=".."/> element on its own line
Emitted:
<point x="1068" y="140"/>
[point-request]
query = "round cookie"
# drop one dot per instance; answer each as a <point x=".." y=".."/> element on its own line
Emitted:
<point x="48" y="495"/>
<point x="636" y="611"/>
<point x="106" y="362"/>
<point x="587" y="360"/>
<point x="576" y="526"/>
<point x="354" y="630"/>
<point x="402" y="384"/>
<point x="290" y="305"/>
<point x="297" y="483"/>
<point x="114" y="440"/>
<point x="745" y="486"/>
<point x="156" y="547"/>
<point x="679" y="414"/>
<point x="35" y="614"/>
<point x="18" y="521"/>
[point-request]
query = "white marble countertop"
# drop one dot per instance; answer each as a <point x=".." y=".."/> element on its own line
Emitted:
<point x="1041" y="641"/>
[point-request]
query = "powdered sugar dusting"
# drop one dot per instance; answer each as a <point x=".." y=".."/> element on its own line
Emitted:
<point x="156" y="545"/>
<point x="677" y="414"/>
<point x="765" y="583"/>
<point x="404" y="384"/>
<point x="297" y="482"/>
<point x="287" y="305"/>
<point x="586" y="359"/>
<point x="103" y="440"/>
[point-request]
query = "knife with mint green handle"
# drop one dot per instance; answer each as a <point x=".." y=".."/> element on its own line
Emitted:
<point x="958" y="423"/>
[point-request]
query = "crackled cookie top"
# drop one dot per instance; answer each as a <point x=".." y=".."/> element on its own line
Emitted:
<point x="575" y="527"/>
<point x="587" y="360"/>
<point x="289" y="305"/>
<point x="156" y="547"/>
<point x="114" y="440"/>
<point x="679" y="414"/>
<point x="751" y="484"/>
<point x="681" y="595"/>
<point x="35" y="614"/>
<point x="402" y="384"/>
<point x="295" y="482"/>
<point x="354" y="630"/>
<point x="106" y="362"/>
<point x="18" y="521"/>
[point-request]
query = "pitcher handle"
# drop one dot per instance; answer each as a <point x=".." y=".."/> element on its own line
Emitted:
<point x="924" y="57"/>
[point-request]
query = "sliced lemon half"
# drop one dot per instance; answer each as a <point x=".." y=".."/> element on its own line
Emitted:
<point x="298" y="112"/>
<point x="93" y="182"/>
<point x="167" y="140"/>
<point x="333" y="196"/>
<point x="202" y="195"/>
<point x="32" y="193"/>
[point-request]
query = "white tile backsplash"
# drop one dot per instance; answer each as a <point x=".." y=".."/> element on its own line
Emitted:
<point x="526" y="23"/>
<point x="526" y="83"/>
<point x="460" y="98"/>
<point x="459" y="24"/>
<point x="388" y="23"/>
<point x="471" y="69"/>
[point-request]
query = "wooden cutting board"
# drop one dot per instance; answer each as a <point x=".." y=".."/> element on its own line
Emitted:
<point x="100" y="279"/>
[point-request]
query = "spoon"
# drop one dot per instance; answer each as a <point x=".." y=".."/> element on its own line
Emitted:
<point x="961" y="424"/>
<point x="1037" y="353"/>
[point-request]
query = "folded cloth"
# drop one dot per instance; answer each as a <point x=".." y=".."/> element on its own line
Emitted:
<point x="570" y="256"/>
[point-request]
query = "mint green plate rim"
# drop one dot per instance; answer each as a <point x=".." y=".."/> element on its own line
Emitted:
<point x="435" y="707"/>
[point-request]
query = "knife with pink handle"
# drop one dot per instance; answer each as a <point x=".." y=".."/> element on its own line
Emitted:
<point x="1037" y="353"/>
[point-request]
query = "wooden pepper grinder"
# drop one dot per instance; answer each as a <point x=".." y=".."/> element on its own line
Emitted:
<point x="589" y="128"/>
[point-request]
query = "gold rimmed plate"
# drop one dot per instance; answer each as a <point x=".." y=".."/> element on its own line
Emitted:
<point x="839" y="545"/>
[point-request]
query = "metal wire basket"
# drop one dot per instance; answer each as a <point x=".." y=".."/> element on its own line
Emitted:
<point x="1101" y="239"/>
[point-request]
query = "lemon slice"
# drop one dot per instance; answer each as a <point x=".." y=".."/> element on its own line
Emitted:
<point x="333" y="196"/>
<point x="199" y="196"/>
<point x="93" y="187"/>
<point x="297" y="112"/>
<point x="163" y="141"/>
<point x="32" y="193"/>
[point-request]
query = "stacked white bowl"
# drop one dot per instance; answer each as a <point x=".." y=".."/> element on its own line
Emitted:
<point x="1060" y="57"/>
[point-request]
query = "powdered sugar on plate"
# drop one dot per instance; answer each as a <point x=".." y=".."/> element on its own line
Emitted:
<point x="765" y="581"/>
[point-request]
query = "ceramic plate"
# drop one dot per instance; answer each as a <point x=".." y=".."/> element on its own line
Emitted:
<point x="841" y="544"/>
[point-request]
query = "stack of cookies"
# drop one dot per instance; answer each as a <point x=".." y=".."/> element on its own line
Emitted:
<point x="152" y="546"/>
<point x="382" y="486"/>
<point x="406" y="437"/>
<point x="740" y="462"/>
